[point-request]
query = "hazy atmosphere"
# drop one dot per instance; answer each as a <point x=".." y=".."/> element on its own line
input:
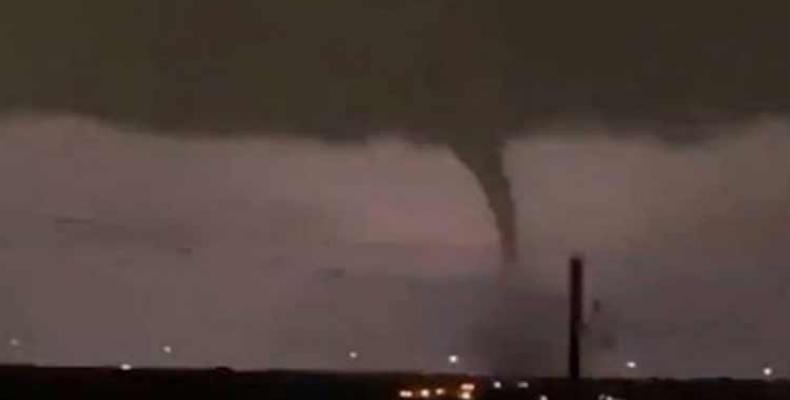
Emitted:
<point x="373" y="185"/>
<point x="262" y="253"/>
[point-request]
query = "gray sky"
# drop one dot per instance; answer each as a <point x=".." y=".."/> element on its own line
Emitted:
<point x="268" y="252"/>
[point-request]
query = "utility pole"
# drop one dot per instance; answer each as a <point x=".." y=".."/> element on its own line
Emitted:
<point x="576" y="310"/>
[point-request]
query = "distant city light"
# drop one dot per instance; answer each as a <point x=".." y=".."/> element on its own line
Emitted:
<point x="353" y="355"/>
<point x="465" y="396"/>
<point x="522" y="384"/>
<point x="167" y="349"/>
<point x="425" y="393"/>
<point x="631" y="364"/>
<point x="468" y="387"/>
<point x="544" y="397"/>
<point x="768" y="371"/>
<point x="497" y="385"/>
<point x="405" y="394"/>
<point x="440" y="391"/>
<point x="14" y="342"/>
<point x="453" y="359"/>
<point x="126" y="367"/>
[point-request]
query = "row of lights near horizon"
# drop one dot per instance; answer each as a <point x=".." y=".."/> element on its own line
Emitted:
<point x="465" y="391"/>
<point x="767" y="371"/>
<point x="452" y="359"/>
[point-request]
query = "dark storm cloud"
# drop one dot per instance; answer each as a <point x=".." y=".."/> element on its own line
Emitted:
<point x="461" y="73"/>
<point x="341" y="68"/>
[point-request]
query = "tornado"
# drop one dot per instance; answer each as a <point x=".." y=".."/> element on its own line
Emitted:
<point x="484" y="158"/>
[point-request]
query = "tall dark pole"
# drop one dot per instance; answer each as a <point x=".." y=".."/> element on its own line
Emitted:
<point x="576" y="309"/>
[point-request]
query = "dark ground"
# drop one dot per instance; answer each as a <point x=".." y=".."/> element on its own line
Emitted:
<point x="21" y="382"/>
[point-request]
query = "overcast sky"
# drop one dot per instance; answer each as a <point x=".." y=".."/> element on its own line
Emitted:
<point x="261" y="253"/>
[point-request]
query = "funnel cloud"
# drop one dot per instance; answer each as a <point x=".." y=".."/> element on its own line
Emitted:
<point x="466" y="74"/>
<point x="486" y="162"/>
<point x="132" y="100"/>
<point x="291" y="253"/>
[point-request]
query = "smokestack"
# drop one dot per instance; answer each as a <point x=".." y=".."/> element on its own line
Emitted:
<point x="485" y="160"/>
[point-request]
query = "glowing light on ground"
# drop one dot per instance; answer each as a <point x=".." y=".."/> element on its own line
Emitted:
<point x="604" y="396"/>
<point x="497" y="385"/>
<point x="631" y="364"/>
<point x="466" y="390"/>
<point x="425" y="393"/>
<point x="522" y="385"/>
<point x="167" y="349"/>
<point x="405" y="394"/>
<point x="353" y="355"/>
<point x="126" y="367"/>
<point x="453" y="359"/>
<point x="768" y="371"/>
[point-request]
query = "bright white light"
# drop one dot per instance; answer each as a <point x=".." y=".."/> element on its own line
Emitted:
<point x="467" y="387"/>
<point x="167" y="349"/>
<point x="768" y="371"/>
<point x="353" y="355"/>
<point x="544" y="397"/>
<point x="631" y="364"/>
<point x="126" y="367"/>
<point x="465" y="396"/>
<point x="522" y="384"/>
<point x="440" y="391"/>
<point x="453" y="359"/>
<point x="497" y="385"/>
<point x="425" y="393"/>
<point x="406" y="394"/>
<point x="14" y="342"/>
